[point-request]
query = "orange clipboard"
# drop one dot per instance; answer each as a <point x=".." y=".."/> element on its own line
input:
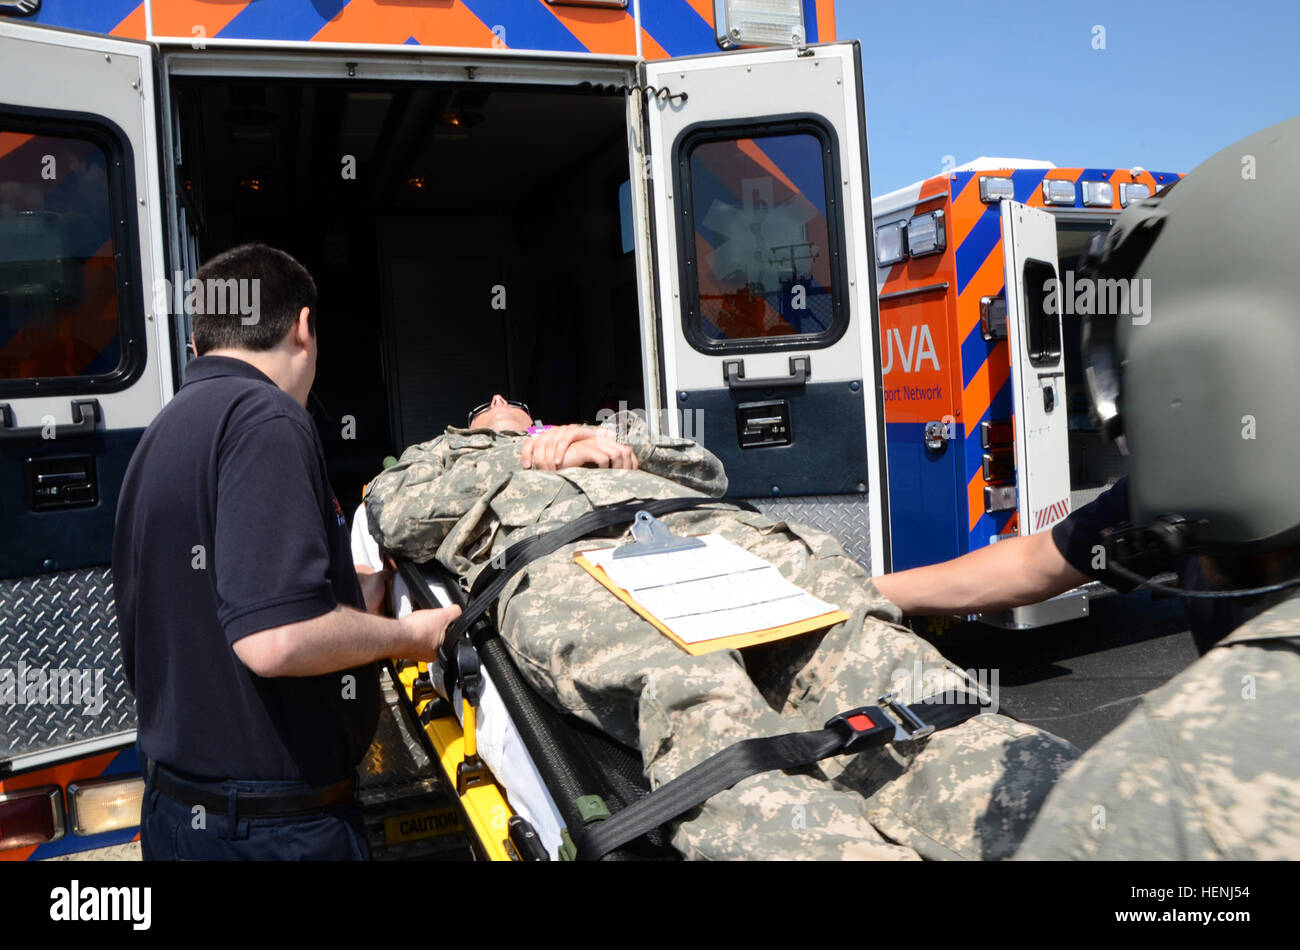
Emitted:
<point x="733" y="642"/>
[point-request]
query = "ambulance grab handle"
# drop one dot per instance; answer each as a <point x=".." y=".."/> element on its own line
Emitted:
<point x="733" y="371"/>
<point x="84" y="414"/>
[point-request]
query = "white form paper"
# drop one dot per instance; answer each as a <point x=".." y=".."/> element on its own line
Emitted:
<point x="710" y="592"/>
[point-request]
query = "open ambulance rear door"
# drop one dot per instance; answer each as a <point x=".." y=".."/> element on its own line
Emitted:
<point x="764" y="280"/>
<point x="1042" y="450"/>
<point x="84" y="368"/>
<point x="1036" y="467"/>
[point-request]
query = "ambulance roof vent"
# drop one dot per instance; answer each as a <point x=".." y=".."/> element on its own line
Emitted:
<point x="986" y="164"/>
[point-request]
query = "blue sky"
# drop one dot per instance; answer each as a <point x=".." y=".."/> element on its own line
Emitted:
<point x="1176" y="82"/>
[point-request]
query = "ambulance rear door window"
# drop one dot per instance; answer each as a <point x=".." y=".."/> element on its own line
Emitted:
<point x="66" y="312"/>
<point x="761" y="237"/>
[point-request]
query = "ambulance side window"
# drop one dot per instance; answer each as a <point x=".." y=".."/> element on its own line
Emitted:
<point x="70" y="314"/>
<point x="761" y="236"/>
<point x="1042" y="324"/>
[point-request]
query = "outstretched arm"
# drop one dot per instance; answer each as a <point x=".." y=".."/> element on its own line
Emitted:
<point x="1010" y="573"/>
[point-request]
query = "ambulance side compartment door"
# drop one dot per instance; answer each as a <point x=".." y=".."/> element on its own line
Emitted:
<point x="84" y="360"/>
<point x="765" y="280"/>
<point x="1037" y="367"/>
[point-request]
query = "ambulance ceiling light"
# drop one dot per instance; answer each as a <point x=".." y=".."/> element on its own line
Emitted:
<point x="1098" y="194"/>
<point x="759" y="23"/>
<point x="925" y="234"/>
<point x="993" y="190"/>
<point x="891" y="243"/>
<point x="1131" y="192"/>
<point x="1058" y="191"/>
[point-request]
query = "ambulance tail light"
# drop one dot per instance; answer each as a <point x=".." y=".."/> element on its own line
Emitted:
<point x="1058" y="191"/>
<point x="759" y="23"/>
<point x="891" y="243"/>
<point x="925" y="234"/>
<point x="993" y="318"/>
<point x="1098" y="194"/>
<point x="105" y="805"/>
<point x="1131" y="192"/>
<point x="993" y="190"/>
<point x="31" y="817"/>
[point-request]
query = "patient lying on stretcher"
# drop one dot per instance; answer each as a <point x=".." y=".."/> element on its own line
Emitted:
<point x="970" y="791"/>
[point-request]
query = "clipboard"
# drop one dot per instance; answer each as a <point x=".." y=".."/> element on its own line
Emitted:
<point x="651" y="538"/>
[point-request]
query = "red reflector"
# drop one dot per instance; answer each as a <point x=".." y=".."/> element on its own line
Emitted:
<point x="30" y="817"/>
<point x="860" y="723"/>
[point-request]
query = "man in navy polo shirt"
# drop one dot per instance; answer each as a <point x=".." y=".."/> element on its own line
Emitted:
<point x="243" y="624"/>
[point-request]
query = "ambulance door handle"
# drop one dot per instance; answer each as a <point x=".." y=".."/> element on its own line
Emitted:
<point x="85" y="412"/>
<point x="733" y="371"/>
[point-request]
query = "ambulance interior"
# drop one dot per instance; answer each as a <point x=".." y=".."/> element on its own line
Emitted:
<point x="466" y="239"/>
<point x="1095" y="462"/>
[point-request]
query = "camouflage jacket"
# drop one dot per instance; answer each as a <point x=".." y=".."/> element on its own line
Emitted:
<point x="1207" y="766"/>
<point x="464" y="495"/>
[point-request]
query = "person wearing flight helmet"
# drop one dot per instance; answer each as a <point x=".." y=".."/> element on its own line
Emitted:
<point x="1207" y="399"/>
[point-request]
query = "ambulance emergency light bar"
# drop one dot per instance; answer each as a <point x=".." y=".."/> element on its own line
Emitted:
<point x="891" y="243"/>
<point x="1057" y="191"/>
<point x="917" y="237"/>
<point x="1131" y="192"/>
<point x="759" y="23"/>
<point x="925" y="234"/>
<point x="1098" y="194"/>
<point x="993" y="190"/>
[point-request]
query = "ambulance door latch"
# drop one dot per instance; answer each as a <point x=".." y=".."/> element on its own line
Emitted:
<point x="936" y="436"/>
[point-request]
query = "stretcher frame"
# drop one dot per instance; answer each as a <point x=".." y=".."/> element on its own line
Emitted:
<point x="588" y="775"/>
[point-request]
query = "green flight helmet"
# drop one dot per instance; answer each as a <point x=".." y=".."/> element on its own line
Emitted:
<point x="1201" y="377"/>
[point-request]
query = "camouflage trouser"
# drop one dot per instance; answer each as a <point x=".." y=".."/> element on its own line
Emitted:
<point x="966" y="792"/>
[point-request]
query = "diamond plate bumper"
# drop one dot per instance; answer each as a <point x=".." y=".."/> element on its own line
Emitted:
<point x="846" y="517"/>
<point x="59" y="631"/>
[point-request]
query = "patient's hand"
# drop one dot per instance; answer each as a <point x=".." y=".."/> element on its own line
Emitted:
<point x="546" y="450"/>
<point x="575" y="446"/>
<point x="600" y="452"/>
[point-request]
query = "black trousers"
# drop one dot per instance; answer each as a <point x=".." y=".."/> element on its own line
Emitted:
<point x="174" y="831"/>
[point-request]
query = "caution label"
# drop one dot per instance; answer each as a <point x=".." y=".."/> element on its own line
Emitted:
<point x="421" y="824"/>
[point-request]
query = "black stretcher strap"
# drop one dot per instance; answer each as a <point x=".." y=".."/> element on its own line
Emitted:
<point x="853" y="731"/>
<point x="491" y="581"/>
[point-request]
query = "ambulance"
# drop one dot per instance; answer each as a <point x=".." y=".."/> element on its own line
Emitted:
<point x="583" y="204"/>
<point x="987" y="415"/>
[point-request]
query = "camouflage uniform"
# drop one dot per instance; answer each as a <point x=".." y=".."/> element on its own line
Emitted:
<point x="968" y="792"/>
<point x="1205" y="767"/>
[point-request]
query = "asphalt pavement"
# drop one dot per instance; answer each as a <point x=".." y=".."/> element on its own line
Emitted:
<point x="1079" y="679"/>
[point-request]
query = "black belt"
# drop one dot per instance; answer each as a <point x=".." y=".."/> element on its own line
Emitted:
<point x="217" y="800"/>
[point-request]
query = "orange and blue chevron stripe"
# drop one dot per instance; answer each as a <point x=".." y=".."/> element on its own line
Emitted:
<point x="668" y="27"/>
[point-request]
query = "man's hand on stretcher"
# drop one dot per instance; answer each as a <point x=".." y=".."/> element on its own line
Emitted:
<point x="576" y="446"/>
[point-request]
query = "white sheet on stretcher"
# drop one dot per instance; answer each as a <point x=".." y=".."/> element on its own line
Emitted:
<point x="499" y="744"/>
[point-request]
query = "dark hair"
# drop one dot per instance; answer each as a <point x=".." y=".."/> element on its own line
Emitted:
<point x="247" y="298"/>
